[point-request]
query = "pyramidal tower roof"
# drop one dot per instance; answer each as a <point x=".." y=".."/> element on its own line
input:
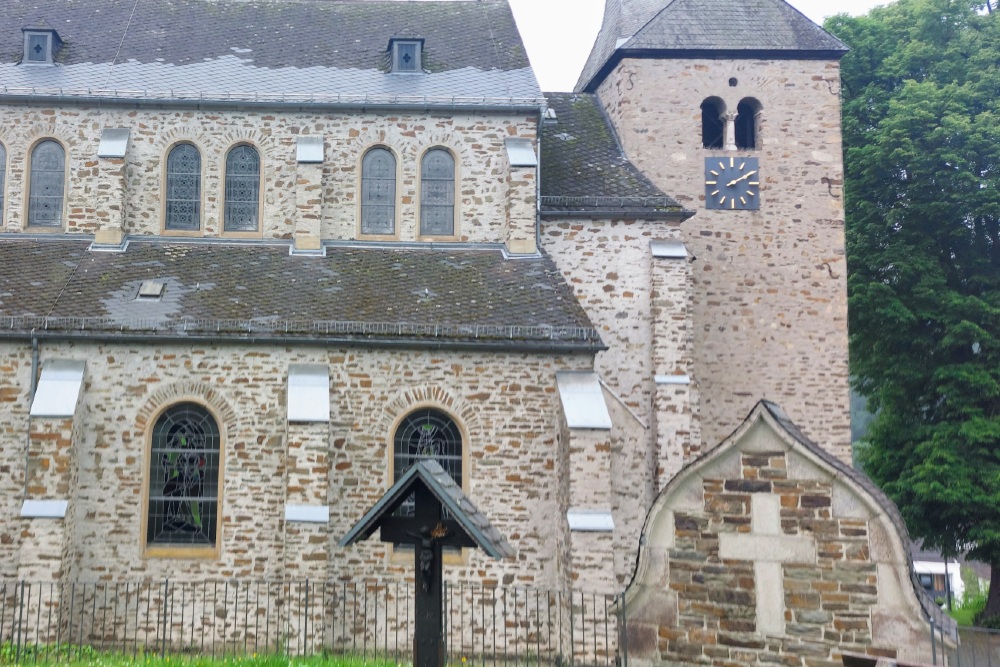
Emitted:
<point x="704" y="29"/>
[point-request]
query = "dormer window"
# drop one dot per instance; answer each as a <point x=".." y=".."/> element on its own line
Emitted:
<point x="406" y="56"/>
<point x="40" y="46"/>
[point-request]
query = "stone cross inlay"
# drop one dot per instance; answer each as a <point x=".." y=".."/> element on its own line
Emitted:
<point x="769" y="549"/>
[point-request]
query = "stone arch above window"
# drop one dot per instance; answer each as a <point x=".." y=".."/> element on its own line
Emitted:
<point x="183" y="189"/>
<point x="378" y="192"/>
<point x="713" y="124"/>
<point x="47" y="190"/>
<point x="427" y="434"/>
<point x="747" y="123"/>
<point x="185" y="452"/>
<point x="437" y="193"/>
<point x="242" y="195"/>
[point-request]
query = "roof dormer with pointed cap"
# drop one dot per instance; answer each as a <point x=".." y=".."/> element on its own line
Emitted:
<point x="704" y="29"/>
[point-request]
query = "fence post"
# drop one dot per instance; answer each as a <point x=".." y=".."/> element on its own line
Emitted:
<point x="163" y="611"/>
<point x="933" y="645"/>
<point x="624" y="641"/>
<point x="20" y="622"/>
<point x="305" y="624"/>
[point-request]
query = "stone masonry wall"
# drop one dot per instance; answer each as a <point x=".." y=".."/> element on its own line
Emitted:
<point x="608" y="264"/>
<point x="507" y="405"/>
<point x="768" y="284"/>
<point x="476" y="139"/>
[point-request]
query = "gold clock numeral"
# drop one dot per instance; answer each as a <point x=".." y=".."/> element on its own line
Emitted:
<point x="710" y="182"/>
<point x="742" y="164"/>
<point x="732" y="162"/>
<point x="722" y="166"/>
<point x="715" y="192"/>
<point x="743" y="201"/>
<point x="714" y="173"/>
<point x="732" y="203"/>
<point x="722" y="199"/>
<point x="751" y="193"/>
<point x="753" y="183"/>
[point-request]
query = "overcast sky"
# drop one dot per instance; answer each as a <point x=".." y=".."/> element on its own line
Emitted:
<point x="559" y="33"/>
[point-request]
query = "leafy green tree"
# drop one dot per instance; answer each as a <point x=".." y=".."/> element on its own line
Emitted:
<point x="921" y="91"/>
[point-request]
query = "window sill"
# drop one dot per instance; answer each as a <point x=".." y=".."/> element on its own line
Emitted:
<point x="181" y="552"/>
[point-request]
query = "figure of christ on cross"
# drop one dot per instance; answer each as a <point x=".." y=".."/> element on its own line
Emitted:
<point x="428" y="532"/>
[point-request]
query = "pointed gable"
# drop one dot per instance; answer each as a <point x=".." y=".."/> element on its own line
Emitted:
<point x="705" y="28"/>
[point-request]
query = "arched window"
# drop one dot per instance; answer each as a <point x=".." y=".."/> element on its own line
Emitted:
<point x="437" y="193"/>
<point x="183" y="189"/>
<point x="48" y="185"/>
<point x="242" y="190"/>
<point x="427" y="434"/>
<point x="3" y="178"/>
<point x="747" y="113"/>
<point x="712" y="124"/>
<point x="378" y="192"/>
<point x="184" y="478"/>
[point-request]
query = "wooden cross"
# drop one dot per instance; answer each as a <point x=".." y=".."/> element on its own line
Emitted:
<point x="428" y="532"/>
<point x="768" y="547"/>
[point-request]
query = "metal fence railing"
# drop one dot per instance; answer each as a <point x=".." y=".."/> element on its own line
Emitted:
<point x="370" y="619"/>
<point x="965" y="647"/>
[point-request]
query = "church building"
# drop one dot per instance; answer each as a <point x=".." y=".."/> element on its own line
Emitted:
<point x="258" y="257"/>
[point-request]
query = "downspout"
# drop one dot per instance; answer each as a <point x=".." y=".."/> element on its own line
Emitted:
<point x="31" y="398"/>
<point x="538" y="183"/>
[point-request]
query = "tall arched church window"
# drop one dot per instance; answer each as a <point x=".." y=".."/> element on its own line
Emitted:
<point x="437" y="193"/>
<point x="712" y="123"/>
<point x="427" y="434"/>
<point x="378" y="192"/>
<point x="184" y="478"/>
<point x="242" y="212"/>
<point x="747" y="114"/>
<point x="48" y="185"/>
<point x="183" y="189"/>
<point x="3" y="178"/>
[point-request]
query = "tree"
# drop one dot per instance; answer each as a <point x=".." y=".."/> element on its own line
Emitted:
<point x="921" y="90"/>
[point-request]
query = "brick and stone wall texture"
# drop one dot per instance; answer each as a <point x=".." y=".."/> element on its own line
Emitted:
<point x="608" y="264"/>
<point x="506" y="403"/>
<point x="768" y="284"/>
<point x="477" y="140"/>
<point x="761" y="553"/>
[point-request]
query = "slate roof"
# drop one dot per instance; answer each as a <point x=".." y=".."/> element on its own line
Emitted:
<point x="584" y="169"/>
<point x="704" y="28"/>
<point x="284" y="50"/>
<point x="354" y="295"/>
<point x="459" y="507"/>
<point x="931" y="609"/>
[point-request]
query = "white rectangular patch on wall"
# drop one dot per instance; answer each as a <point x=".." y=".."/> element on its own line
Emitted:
<point x="58" y="388"/>
<point x="309" y="150"/>
<point x="520" y="153"/>
<point x="114" y="142"/>
<point x="44" y="509"/>
<point x="590" y="521"/>
<point x="308" y="393"/>
<point x="307" y="513"/>
<point x="672" y="379"/>
<point x="668" y="249"/>
<point x="583" y="400"/>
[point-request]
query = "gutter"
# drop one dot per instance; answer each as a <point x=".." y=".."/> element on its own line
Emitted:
<point x="618" y="214"/>
<point x="472" y="106"/>
<point x="481" y="345"/>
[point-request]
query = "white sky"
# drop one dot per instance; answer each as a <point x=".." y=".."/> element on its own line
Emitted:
<point x="559" y="33"/>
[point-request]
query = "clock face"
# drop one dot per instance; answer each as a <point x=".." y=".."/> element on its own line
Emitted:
<point x="732" y="183"/>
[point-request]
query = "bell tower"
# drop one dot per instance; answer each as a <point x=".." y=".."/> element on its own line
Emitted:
<point x="733" y="108"/>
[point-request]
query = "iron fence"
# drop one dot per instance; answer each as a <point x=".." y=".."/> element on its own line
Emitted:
<point x="370" y="619"/>
<point x="965" y="646"/>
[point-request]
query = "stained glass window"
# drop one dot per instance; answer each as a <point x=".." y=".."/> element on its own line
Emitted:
<point x="427" y="434"/>
<point x="243" y="190"/>
<point x="183" y="188"/>
<point x="437" y="193"/>
<point x="378" y="192"/>
<point x="184" y="477"/>
<point x="48" y="185"/>
<point x="3" y="177"/>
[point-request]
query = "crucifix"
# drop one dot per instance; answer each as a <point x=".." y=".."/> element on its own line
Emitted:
<point x="442" y="517"/>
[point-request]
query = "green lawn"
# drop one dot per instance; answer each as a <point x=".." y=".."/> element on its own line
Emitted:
<point x="72" y="656"/>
